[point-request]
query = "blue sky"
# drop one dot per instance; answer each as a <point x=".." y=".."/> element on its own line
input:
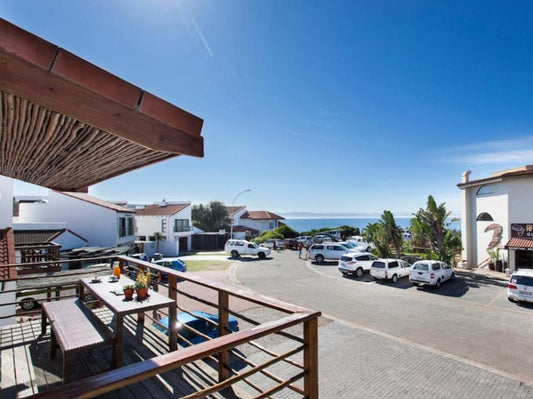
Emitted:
<point x="316" y="106"/>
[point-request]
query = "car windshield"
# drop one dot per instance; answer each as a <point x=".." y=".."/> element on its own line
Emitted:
<point x="346" y="258"/>
<point x="421" y="266"/>
<point x="378" y="265"/>
<point x="522" y="280"/>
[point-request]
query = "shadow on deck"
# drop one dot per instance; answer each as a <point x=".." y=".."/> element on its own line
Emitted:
<point x="27" y="368"/>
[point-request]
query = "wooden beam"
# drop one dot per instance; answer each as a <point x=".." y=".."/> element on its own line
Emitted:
<point x="63" y="96"/>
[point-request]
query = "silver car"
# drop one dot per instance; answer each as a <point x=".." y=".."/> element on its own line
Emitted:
<point x="355" y="263"/>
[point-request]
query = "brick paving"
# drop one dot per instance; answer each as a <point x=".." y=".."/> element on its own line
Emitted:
<point x="354" y="363"/>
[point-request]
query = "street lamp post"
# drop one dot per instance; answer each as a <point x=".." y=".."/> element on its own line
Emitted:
<point x="233" y="203"/>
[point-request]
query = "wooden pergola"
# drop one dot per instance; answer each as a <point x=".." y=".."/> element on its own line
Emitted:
<point x="67" y="124"/>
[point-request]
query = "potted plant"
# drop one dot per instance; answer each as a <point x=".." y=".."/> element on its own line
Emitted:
<point x="493" y="253"/>
<point x="128" y="291"/>
<point x="141" y="283"/>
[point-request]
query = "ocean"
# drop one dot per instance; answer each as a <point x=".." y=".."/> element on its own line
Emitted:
<point x="307" y="224"/>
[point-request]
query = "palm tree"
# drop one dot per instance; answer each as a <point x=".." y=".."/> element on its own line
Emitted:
<point x="430" y="230"/>
<point x="391" y="233"/>
<point x="157" y="238"/>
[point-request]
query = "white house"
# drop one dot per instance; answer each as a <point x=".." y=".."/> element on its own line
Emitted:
<point x="100" y="222"/>
<point x="57" y="233"/>
<point x="7" y="252"/>
<point x="254" y="222"/>
<point x="171" y="221"/>
<point x="497" y="212"/>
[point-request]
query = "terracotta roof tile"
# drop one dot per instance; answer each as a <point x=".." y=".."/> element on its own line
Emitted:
<point x="40" y="236"/>
<point x="516" y="242"/>
<point x="156" y="210"/>
<point x="261" y="215"/>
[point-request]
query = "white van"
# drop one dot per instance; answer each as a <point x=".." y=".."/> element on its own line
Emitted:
<point x="390" y="269"/>
<point x="242" y="247"/>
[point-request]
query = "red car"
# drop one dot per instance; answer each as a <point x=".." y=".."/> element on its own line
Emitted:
<point x="291" y="243"/>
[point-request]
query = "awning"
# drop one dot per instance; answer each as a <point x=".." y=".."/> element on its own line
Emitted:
<point x="520" y="244"/>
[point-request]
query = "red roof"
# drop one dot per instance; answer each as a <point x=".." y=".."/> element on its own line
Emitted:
<point x="157" y="210"/>
<point x="97" y="201"/>
<point x="261" y="215"/>
<point x="522" y="171"/>
<point x="40" y="236"/>
<point x="519" y="243"/>
<point x="244" y="229"/>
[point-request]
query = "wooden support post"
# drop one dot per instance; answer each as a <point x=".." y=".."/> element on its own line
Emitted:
<point x="121" y="265"/>
<point x="311" y="358"/>
<point x="223" y="329"/>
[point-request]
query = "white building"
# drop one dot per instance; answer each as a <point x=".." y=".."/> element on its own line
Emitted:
<point x="100" y="222"/>
<point x="7" y="252"/>
<point x="172" y="223"/>
<point x="497" y="212"/>
<point x="57" y="233"/>
<point x="254" y="222"/>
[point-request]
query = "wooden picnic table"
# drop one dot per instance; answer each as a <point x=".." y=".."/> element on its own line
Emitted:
<point x="108" y="293"/>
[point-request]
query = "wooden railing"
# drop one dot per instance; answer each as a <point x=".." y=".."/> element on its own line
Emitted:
<point x="299" y="356"/>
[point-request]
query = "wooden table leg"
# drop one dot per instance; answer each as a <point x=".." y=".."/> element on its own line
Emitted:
<point x="173" y="327"/>
<point x="119" y="344"/>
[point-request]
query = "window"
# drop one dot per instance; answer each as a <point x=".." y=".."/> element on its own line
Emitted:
<point x="163" y="225"/>
<point x="393" y="264"/>
<point x="484" y="190"/>
<point x="378" y="265"/>
<point x="181" y="225"/>
<point x="126" y="227"/>
<point x="484" y="217"/>
<point x="435" y="266"/>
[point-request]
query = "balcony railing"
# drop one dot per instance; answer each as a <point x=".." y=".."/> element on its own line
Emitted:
<point x="181" y="229"/>
<point x="277" y="345"/>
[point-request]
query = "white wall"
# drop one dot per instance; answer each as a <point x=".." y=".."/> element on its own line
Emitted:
<point x="521" y="201"/>
<point x="6" y="221"/>
<point x="97" y="224"/>
<point x="260" y="225"/>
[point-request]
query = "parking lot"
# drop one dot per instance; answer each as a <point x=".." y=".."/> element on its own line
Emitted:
<point x="467" y="325"/>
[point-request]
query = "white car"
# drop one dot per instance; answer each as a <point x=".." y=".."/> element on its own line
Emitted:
<point x="355" y="263"/>
<point x="326" y="250"/>
<point x="430" y="272"/>
<point x="361" y="244"/>
<point x="280" y="244"/>
<point x="390" y="269"/>
<point x="242" y="247"/>
<point x="520" y="287"/>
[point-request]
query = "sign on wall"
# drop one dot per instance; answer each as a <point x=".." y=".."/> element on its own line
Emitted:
<point x="522" y="230"/>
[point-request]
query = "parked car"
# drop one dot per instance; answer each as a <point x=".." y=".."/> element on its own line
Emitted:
<point x="306" y="241"/>
<point x="326" y="251"/>
<point x="355" y="263"/>
<point x="198" y="321"/>
<point x="349" y="246"/>
<point x="361" y="244"/>
<point x="390" y="269"/>
<point x="242" y="247"/>
<point x="280" y="244"/>
<point x="520" y="287"/>
<point x="430" y="272"/>
<point x="320" y="238"/>
<point x="333" y="234"/>
<point x="172" y="263"/>
<point x="291" y="243"/>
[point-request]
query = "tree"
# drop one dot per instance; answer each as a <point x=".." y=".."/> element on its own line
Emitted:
<point x="386" y="235"/>
<point x="211" y="217"/>
<point x="429" y="229"/>
<point x="390" y="232"/>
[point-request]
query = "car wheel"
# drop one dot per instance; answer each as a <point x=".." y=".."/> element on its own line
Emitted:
<point x="319" y="259"/>
<point x="368" y="249"/>
<point x="394" y="278"/>
<point x="437" y="284"/>
<point x="261" y="255"/>
<point x="359" y="272"/>
<point x="234" y="254"/>
<point x="28" y="304"/>
<point x="510" y="299"/>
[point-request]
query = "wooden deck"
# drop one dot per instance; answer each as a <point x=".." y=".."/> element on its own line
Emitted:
<point x="26" y="367"/>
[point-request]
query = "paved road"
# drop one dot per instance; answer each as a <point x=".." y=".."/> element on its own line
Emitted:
<point x="465" y="340"/>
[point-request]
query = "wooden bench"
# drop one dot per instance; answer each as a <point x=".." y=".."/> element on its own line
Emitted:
<point x="75" y="328"/>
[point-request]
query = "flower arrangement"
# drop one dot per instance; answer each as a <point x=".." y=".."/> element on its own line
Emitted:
<point x="143" y="277"/>
<point x="128" y="287"/>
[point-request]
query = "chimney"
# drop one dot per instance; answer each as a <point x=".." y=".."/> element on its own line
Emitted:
<point x="466" y="176"/>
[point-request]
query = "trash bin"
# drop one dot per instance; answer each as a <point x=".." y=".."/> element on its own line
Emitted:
<point x="508" y="272"/>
